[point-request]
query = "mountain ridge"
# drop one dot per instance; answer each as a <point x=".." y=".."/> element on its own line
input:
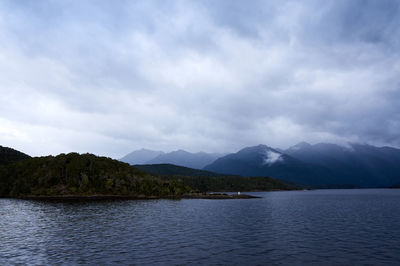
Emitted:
<point x="262" y="160"/>
<point x="317" y="165"/>
<point x="178" y="157"/>
<point x="140" y="156"/>
<point x="366" y="165"/>
<point x="87" y="176"/>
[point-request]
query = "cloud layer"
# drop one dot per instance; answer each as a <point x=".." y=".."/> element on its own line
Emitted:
<point x="108" y="77"/>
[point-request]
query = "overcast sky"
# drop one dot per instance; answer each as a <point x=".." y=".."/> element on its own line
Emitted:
<point x="109" y="77"/>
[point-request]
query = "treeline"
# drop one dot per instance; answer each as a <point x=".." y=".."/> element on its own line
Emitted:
<point x="86" y="174"/>
<point x="174" y="170"/>
<point x="230" y="183"/>
<point x="206" y="181"/>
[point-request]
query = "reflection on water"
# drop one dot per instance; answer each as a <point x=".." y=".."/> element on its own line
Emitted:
<point x="299" y="227"/>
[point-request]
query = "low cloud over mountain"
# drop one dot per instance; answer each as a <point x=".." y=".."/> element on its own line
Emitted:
<point x="319" y="165"/>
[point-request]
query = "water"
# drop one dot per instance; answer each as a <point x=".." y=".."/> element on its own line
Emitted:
<point x="329" y="227"/>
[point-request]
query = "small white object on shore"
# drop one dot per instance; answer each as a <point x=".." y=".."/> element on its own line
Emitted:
<point x="239" y="193"/>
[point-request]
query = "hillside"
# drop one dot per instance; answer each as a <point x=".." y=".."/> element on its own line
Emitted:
<point x="206" y="181"/>
<point x="358" y="164"/>
<point x="86" y="174"/>
<point x="262" y="160"/>
<point x="8" y="155"/>
<point x="174" y="170"/>
<point x="322" y="165"/>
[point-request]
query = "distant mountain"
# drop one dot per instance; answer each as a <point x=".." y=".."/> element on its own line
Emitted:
<point x="262" y="160"/>
<point x="359" y="164"/>
<point x="140" y="156"/>
<point x="8" y="155"/>
<point x="184" y="158"/>
<point x="320" y="165"/>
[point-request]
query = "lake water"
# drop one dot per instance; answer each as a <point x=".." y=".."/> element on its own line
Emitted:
<point x="321" y="227"/>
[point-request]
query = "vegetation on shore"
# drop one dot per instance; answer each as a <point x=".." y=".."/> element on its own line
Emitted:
<point x="205" y="181"/>
<point x="76" y="175"/>
<point x="231" y="183"/>
<point x="86" y="174"/>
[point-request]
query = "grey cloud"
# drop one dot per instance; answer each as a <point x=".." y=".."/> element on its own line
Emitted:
<point x="110" y="77"/>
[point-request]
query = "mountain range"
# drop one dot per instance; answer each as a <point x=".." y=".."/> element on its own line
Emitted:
<point x="76" y="175"/>
<point x="180" y="157"/>
<point x="319" y="165"/>
<point x="358" y="164"/>
<point x="262" y="160"/>
<point x="322" y="165"/>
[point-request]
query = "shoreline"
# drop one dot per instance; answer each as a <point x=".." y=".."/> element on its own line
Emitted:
<point x="132" y="197"/>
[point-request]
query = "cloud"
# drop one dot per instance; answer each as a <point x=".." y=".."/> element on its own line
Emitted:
<point x="199" y="75"/>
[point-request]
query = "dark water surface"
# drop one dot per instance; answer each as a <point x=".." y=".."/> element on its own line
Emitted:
<point x="322" y="227"/>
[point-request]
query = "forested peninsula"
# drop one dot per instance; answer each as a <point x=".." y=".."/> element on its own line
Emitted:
<point x="76" y="175"/>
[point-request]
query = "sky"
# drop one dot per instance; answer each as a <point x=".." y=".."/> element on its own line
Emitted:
<point x="110" y="77"/>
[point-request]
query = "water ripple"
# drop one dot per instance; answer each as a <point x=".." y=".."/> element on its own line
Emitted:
<point x="329" y="227"/>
